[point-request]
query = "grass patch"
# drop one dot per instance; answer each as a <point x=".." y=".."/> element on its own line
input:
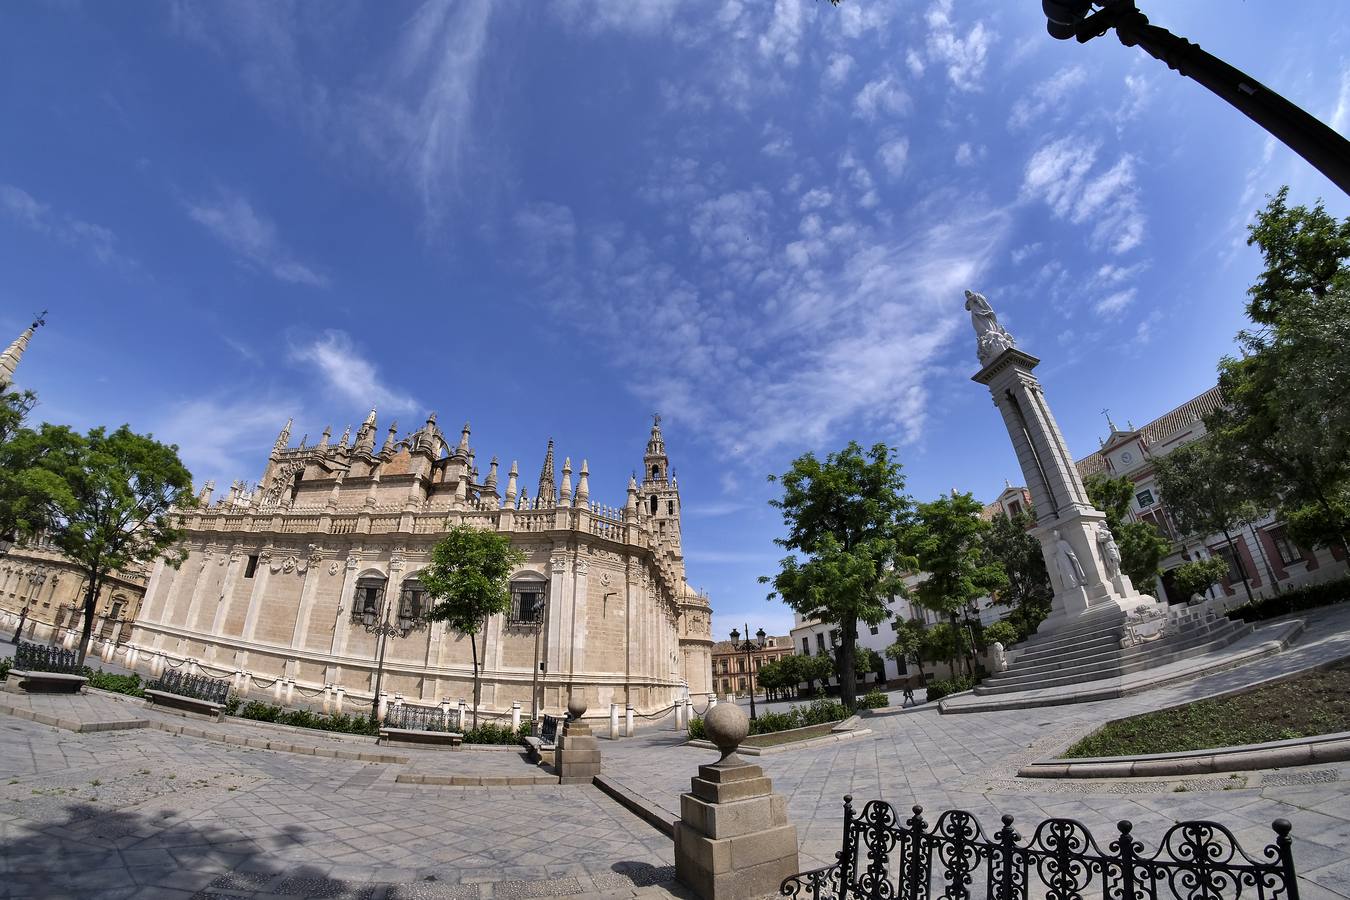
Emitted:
<point x="1311" y="704"/>
<point x="775" y="738"/>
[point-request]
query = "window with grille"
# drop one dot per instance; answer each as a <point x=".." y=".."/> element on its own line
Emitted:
<point x="527" y="601"/>
<point x="412" y="600"/>
<point x="1144" y="498"/>
<point x="369" y="594"/>
<point x="1288" y="552"/>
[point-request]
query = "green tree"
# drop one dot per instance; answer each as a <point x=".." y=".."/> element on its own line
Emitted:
<point x="909" y="644"/>
<point x="28" y="489"/>
<point x="1284" y="411"/>
<point x="790" y="673"/>
<point x="1206" y="492"/>
<point x="1198" y="576"/>
<point x="944" y="642"/>
<point x="469" y="578"/>
<point x="1009" y="544"/>
<point x="947" y="545"/>
<point x="845" y="516"/>
<point x="1001" y="632"/>
<point x="115" y="504"/>
<point x="1142" y="547"/>
<point x="865" y="660"/>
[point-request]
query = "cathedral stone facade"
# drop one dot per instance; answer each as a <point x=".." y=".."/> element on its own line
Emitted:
<point x="281" y="581"/>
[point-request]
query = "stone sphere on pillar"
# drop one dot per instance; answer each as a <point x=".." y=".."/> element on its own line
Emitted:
<point x="726" y="725"/>
<point x="576" y="706"/>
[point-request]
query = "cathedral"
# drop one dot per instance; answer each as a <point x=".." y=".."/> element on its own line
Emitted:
<point x="293" y="579"/>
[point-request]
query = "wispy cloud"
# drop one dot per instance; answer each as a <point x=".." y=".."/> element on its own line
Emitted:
<point x="348" y="373"/>
<point x="1047" y="98"/>
<point x="252" y="237"/>
<point x="1063" y="174"/>
<point x="412" y="113"/>
<point x="964" y="57"/>
<point x="882" y="97"/>
<point x="96" y="240"/>
<point x="218" y="437"/>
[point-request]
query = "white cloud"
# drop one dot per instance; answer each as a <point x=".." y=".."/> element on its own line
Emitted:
<point x="914" y="62"/>
<point x="893" y="156"/>
<point x="838" y="69"/>
<point x="1047" y="97"/>
<point x="347" y="373"/>
<point x="1061" y="174"/>
<point x="253" y="237"/>
<point x="1339" y="120"/>
<point x="1112" y="305"/>
<point x="1023" y="252"/>
<point x="1137" y="92"/>
<point x="413" y="115"/>
<point x="964" y="57"/>
<point x="547" y="231"/>
<point x="883" y="96"/>
<point x="219" y="437"/>
<point x="784" y="33"/>
<point x="967" y="155"/>
<point x="99" y="242"/>
<point x="647" y="17"/>
<point x="816" y="198"/>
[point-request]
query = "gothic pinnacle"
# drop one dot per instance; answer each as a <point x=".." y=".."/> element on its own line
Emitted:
<point x="511" y="483"/>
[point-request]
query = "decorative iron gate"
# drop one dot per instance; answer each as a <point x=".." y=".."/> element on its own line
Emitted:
<point x="886" y="859"/>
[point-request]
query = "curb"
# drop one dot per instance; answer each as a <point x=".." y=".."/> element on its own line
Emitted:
<point x="1271" y="755"/>
<point x="476" y="780"/>
<point x="744" y="750"/>
<point x="648" y="812"/>
<point x="20" y="712"/>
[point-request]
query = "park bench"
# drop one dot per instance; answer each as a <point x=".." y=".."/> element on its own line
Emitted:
<point x="40" y="669"/>
<point x="545" y="742"/>
<point x="885" y="855"/>
<point x="423" y="726"/>
<point x="193" y="695"/>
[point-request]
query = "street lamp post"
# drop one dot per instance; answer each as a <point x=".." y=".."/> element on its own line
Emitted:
<point x="1303" y="133"/>
<point x="748" y="648"/>
<point x="405" y="624"/>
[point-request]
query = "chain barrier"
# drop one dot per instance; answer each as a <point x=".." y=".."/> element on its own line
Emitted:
<point x="258" y="682"/>
<point x="660" y="713"/>
<point x="316" y="692"/>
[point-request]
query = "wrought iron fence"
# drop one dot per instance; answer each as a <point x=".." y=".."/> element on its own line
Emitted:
<point x="417" y="718"/>
<point x="42" y="658"/>
<point x="200" y="687"/>
<point x="548" y="731"/>
<point x="885" y="858"/>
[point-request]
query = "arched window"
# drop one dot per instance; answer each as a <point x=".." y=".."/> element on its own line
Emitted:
<point x="412" y="601"/>
<point x="655" y="504"/>
<point x="656" y="472"/>
<point x="368" y="597"/>
<point x="529" y="591"/>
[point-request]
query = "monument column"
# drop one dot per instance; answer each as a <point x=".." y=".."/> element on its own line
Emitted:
<point x="1070" y="530"/>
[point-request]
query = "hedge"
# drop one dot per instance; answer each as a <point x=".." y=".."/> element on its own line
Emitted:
<point x="941" y="687"/>
<point x="1310" y="596"/>
<point x="817" y="712"/>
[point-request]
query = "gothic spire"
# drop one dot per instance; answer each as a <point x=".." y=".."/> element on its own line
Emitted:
<point x="511" y="484"/>
<point x="284" y="438"/>
<point x="323" y="439"/>
<point x="491" y="483"/>
<point x="655" y="463"/>
<point x="584" y="486"/>
<point x="9" y="360"/>
<point x="546" y="485"/>
<point x="566" y="492"/>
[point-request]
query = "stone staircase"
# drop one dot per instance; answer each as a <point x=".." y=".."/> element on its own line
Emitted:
<point x="1090" y="650"/>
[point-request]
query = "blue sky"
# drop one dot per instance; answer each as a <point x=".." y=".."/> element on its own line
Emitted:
<point x="554" y="219"/>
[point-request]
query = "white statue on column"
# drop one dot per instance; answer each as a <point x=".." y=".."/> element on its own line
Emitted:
<point x="1066" y="562"/>
<point x="1106" y="542"/>
<point x="990" y="336"/>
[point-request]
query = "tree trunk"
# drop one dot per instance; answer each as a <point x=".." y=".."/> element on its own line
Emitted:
<point x="87" y="628"/>
<point x="1265" y="558"/>
<point x="473" y="643"/>
<point x="1242" y="568"/>
<point x="848" y="683"/>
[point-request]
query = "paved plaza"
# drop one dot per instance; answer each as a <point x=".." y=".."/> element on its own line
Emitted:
<point x="160" y="811"/>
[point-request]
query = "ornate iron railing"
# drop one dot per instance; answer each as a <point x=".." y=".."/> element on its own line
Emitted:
<point x="417" y="718"/>
<point x="200" y="687"/>
<point x="885" y="858"/>
<point x="548" y="731"/>
<point x="42" y="658"/>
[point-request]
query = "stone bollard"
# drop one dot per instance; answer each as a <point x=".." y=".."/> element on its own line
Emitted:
<point x="382" y="709"/>
<point x="577" y="758"/>
<point x="628" y="721"/>
<point x="463" y="723"/>
<point x="515" y="716"/>
<point x="327" y="699"/>
<point x="712" y="701"/>
<point x="277" y="687"/>
<point x="341" y="693"/>
<point x="290" y="691"/>
<point x="733" y="839"/>
<point x="679" y="715"/>
<point x="613" y="721"/>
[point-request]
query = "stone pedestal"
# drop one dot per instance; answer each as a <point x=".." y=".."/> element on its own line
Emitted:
<point x="733" y="839"/>
<point x="577" y="758"/>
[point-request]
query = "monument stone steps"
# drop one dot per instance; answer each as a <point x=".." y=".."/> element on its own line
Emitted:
<point x="1202" y="638"/>
<point x="1106" y="647"/>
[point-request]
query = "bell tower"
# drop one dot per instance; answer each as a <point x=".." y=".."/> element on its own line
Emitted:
<point x="659" y="495"/>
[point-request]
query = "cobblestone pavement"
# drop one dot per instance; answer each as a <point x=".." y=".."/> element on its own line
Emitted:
<point x="147" y="813"/>
<point x="970" y="762"/>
